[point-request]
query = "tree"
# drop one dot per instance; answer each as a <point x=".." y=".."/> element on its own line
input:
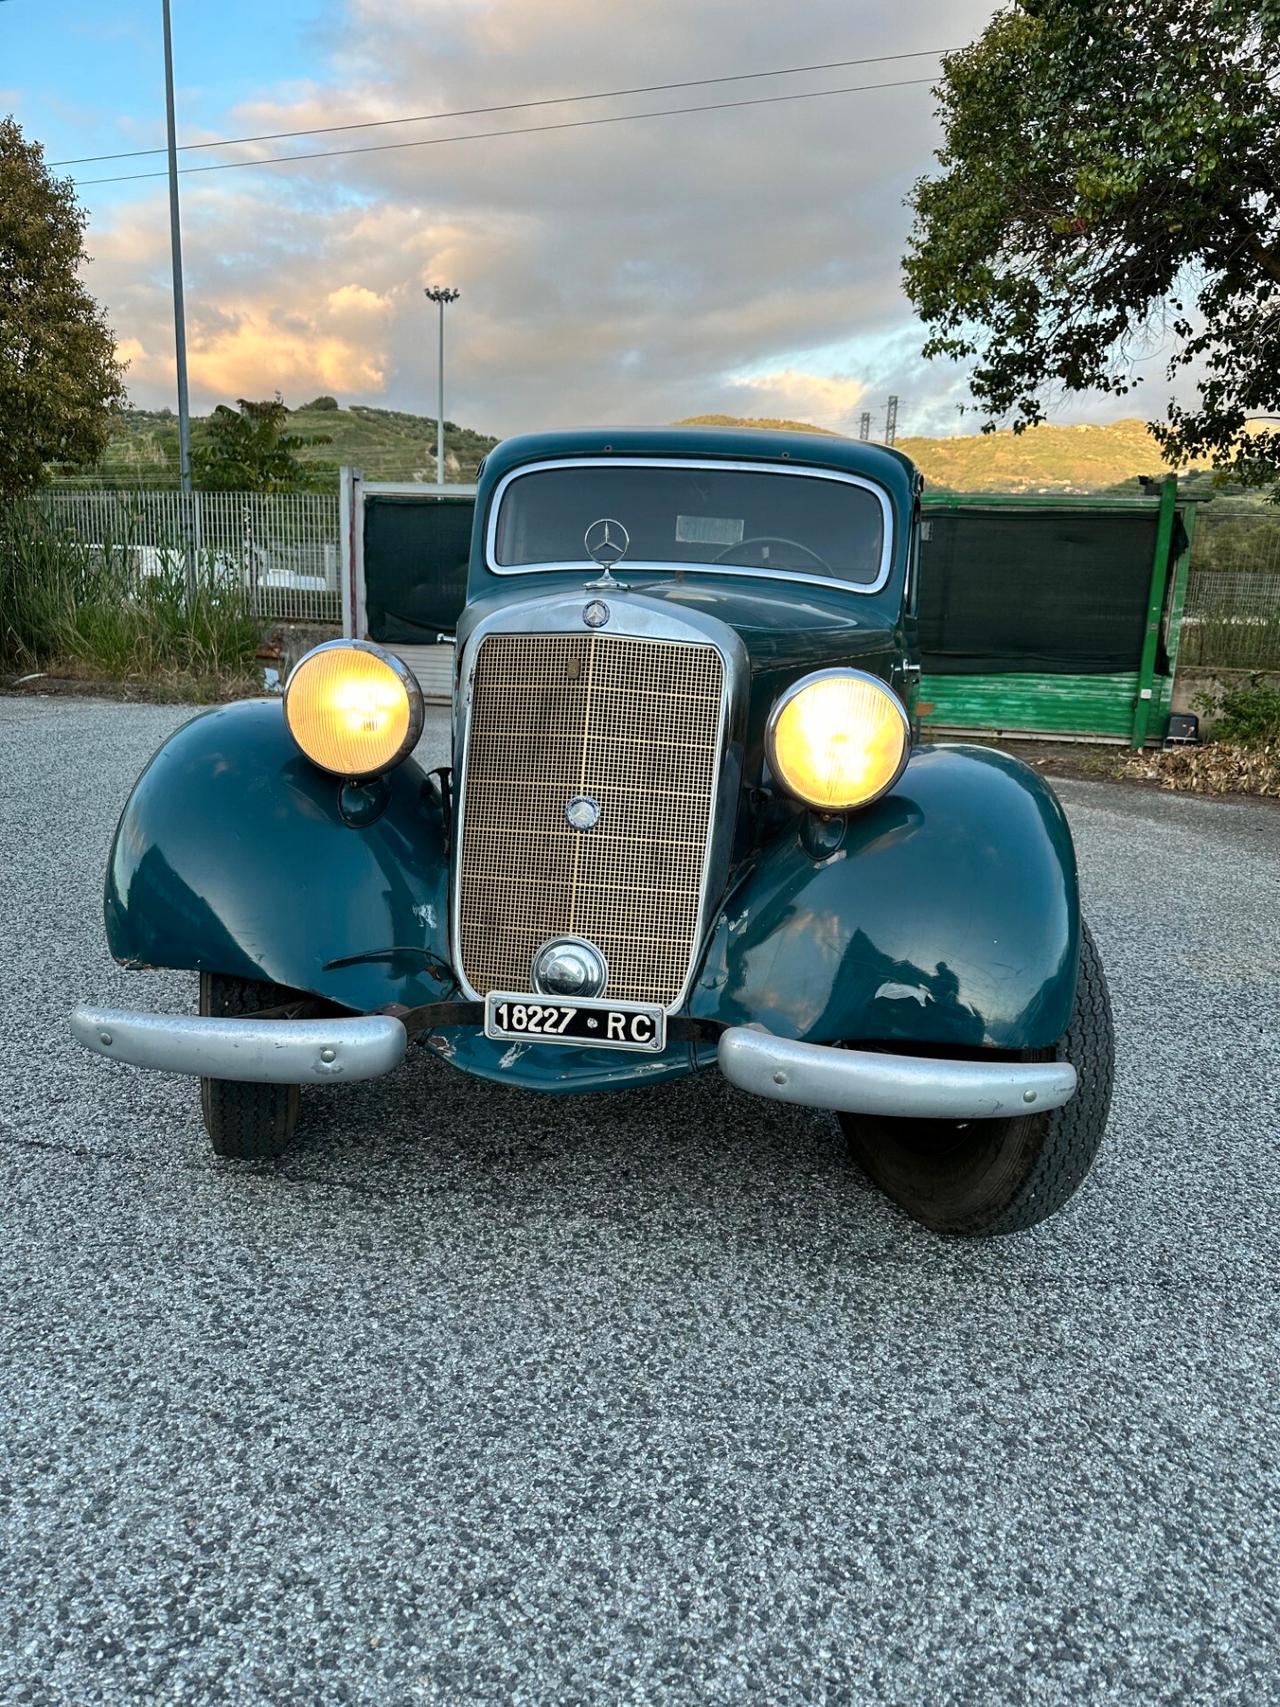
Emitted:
<point x="1110" y="184"/>
<point x="246" y="449"/>
<point x="60" y="381"/>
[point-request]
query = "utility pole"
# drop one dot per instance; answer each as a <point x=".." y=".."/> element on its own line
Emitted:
<point x="440" y="294"/>
<point x="891" y="421"/>
<point x="864" y="425"/>
<point x="175" y="245"/>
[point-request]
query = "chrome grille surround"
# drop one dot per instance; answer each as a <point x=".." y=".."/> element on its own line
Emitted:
<point x="642" y="717"/>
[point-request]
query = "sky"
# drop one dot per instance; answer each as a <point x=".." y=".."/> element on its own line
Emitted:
<point x="744" y="261"/>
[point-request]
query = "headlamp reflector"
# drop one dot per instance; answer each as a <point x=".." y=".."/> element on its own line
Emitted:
<point x="838" y="739"/>
<point x="353" y="709"/>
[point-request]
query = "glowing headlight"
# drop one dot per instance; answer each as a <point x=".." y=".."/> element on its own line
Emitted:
<point x="837" y="739"/>
<point x="352" y="708"/>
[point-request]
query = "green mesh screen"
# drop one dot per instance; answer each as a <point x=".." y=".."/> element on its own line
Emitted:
<point x="1017" y="590"/>
<point x="415" y="565"/>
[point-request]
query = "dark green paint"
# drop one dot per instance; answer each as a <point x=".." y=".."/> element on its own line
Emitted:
<point x="948" y="915"/>
<point x="1155" y="610"/>
<point x="944" y="915"/>
<point x="233" y="855"/>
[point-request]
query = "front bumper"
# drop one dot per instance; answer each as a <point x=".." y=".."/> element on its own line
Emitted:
<point x="815" y="1075"/>
<point x="262" y="1051"/>
<point x="858" y="1081"/>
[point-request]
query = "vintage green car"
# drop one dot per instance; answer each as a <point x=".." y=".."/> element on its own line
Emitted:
<point x="688" y="824"/>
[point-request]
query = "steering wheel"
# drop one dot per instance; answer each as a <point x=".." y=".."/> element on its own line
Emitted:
<point x="774" y="539"/>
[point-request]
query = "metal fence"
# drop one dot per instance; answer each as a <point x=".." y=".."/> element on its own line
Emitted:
<point x="1232" y="615"/>
<point x="282" y="546"/>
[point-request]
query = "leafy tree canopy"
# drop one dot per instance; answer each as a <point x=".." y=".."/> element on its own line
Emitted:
<point x="1110" y="185"/>
<point x="59" y="378"/>
<point x="246" y="449"/>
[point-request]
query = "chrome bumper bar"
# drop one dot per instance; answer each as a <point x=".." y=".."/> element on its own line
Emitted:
<point x="263" y="1051"/>
<point x="857" y="1081"/>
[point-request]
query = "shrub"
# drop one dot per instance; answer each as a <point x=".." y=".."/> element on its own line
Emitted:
<point x="1247" y="714"/>
<point x="115" y="612"/>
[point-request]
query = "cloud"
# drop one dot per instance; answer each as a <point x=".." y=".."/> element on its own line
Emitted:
<point x="741" y="261"/>
<point x="824" y="400"/>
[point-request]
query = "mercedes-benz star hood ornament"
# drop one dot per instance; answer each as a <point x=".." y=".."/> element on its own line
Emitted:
<point x="606" y="542"/>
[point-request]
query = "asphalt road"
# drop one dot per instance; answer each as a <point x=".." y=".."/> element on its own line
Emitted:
<point x="481" y="1397"/>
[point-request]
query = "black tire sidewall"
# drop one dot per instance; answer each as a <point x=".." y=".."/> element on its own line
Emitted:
<point x="1001" y="1176"/>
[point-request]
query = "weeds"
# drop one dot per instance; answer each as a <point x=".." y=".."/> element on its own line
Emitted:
<point x="117" y="611"/>
<point x="1247" y="713"/>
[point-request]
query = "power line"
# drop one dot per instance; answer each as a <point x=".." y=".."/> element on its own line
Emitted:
<point x="520" y="130"/>
<point x="510" y="106"/>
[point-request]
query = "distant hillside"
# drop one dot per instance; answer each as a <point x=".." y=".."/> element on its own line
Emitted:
<point x="1043" y="459"/>
<point x="391" y="445"/>
<point x="754" y="421"/>
<point x="386" y="443"/>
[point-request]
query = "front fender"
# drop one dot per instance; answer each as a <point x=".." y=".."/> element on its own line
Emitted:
<point x="233" y="855"/>
<point x="948" y="916"/>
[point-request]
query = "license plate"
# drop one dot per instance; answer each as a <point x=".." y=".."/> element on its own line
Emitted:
<point x="548" y="1019"/>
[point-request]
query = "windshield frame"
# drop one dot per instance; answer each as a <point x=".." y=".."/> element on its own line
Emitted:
<point x="670" y="566"/>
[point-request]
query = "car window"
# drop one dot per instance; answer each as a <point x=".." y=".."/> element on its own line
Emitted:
<point x="730" y="517"/>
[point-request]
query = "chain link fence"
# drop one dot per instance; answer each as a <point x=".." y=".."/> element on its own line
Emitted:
<point x="282" y="547"/>
<point x="1231" y="620"/>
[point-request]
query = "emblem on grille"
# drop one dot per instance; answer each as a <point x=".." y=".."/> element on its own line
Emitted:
<point x="596" y="614"/>
<point x="583" y="812"/>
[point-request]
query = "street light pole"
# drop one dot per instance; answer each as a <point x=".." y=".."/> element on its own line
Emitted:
<point x="175" y="244"/>
<point x="439" y="294"/>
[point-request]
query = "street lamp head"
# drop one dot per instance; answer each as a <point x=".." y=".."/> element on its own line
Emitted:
<point x="441" y="293"/>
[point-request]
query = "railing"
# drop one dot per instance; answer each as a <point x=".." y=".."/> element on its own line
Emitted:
<point x="282" y="546"/>
<point x="1231" y="620"/>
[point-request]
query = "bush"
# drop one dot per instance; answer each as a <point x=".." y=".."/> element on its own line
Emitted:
<point x="1248" y="714"/>
<point x="118" y="613"/>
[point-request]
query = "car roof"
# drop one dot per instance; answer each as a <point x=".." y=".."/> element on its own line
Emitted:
<point x="735" y="444"/>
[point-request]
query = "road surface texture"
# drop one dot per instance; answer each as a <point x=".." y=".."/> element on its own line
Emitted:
<point x="482" y="1397"/>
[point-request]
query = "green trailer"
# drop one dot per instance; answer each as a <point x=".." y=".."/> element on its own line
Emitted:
<point x="1052" y="616"/>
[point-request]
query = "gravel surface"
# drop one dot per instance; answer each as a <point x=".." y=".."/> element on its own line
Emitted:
<point x="482" y="1397"/>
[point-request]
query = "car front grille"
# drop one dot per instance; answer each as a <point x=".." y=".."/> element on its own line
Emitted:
<point x="635" y="726"/>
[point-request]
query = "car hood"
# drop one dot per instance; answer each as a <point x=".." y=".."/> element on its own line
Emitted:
<point x="791" y="628"/>
<point x="786" y="628"/>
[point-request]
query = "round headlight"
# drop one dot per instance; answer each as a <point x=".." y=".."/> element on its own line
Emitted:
<point x="353" y="709"/>
<point x="838" y="739"/>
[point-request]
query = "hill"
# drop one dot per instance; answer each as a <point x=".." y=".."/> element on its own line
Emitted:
<point x="386" y="443"/>
<point x="1045" y="459"/>
<point x="755" y="421"/>
<point x="389" y="444"/>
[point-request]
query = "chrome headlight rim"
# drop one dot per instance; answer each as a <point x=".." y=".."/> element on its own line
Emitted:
<point x="842" y="673"/>
<point x="413" y="693"/>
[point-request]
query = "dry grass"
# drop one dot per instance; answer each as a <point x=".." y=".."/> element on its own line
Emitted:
<point x="1220" y="767"/>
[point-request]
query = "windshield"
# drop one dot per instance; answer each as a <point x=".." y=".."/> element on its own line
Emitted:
<point x="730" y="517"/>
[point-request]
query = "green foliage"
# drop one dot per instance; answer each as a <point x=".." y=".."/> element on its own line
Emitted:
<point x="324" y="404"/>
<point x="247" y="449"/>
<point x="386" y="443"/>
<point x="59" y="377"/>
<point x="1111" y="178"/>
<point x="112" y="612"/>
<point x="1247" y="714"/>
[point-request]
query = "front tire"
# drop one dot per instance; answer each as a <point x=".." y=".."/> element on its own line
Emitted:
<point x="981" y="1177"/>
<point x="246" y="1122"/>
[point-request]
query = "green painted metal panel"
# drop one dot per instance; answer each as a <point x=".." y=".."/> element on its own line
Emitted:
<point x="1057" y="705"/>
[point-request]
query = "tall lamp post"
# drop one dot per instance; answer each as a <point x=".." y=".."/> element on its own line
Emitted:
<point x="439" y="294"/>
<point x="175" y="242"/>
